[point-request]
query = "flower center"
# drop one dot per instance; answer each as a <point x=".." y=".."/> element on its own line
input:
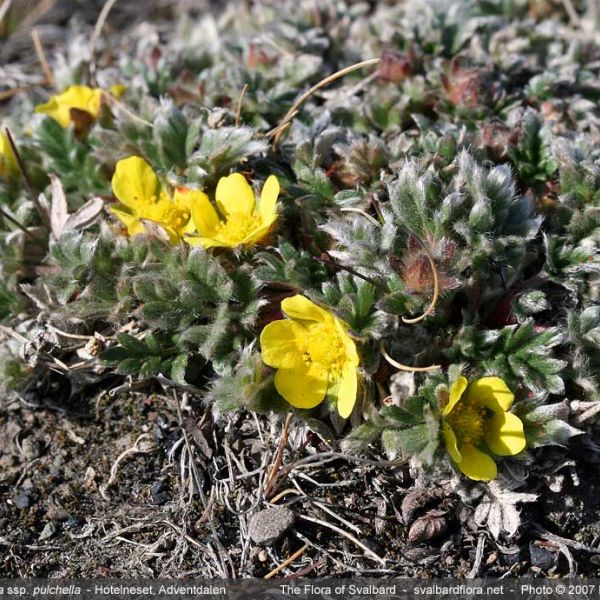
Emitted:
<point x="325" y="347"/>
<point x="468" y="422"/>
<point x="163" y="210"/>
<point x="238" y="226"/>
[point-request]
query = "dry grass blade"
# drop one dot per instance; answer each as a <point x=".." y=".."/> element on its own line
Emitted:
<point x="287" y="561"/>
<point x="23" y="170"/>
<point x="277" y="131"/>
<point x="238" y="111"/>
<point x="120" y="106"/>
<point x="97" y="31"/>
<point x="403" y="367"/>
<point x="6" y="94"/>
<point x="16" y="223"/>
<point x="353" y="539"/>
<point x="4" y="8"/>
<point x="35" y="14"/>
<point x="42" y="57"/>
<point x="436" y="288"/>
<point x="273" y="474"/>
<point x="143" y="445"/>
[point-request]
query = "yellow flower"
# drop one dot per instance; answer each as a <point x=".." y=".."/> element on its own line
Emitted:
<point x="314" y="355"/>
<point x="8" y="162"/>
<point x="78" y="97"/>
<point x="476" y="422"/>
<point x="245" y="222"/>
<point x="135" y="184"/>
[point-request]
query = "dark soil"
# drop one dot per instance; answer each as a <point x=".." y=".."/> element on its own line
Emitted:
<point x="55" y="522"/>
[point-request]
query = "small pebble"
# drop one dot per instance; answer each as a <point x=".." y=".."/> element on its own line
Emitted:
<point x="268" y="525"/>
<point x="73" y="522"/>
<point x="31" y="448"/>
<point x="48" y="531"/>
<point x="541" y="557"/>
<point x="22" y="499"/>
<point x="160" y="493"/>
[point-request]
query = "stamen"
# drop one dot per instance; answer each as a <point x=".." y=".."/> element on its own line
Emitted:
<point x="468" y="421"/>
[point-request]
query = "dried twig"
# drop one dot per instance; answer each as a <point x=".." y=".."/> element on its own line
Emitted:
<point x="184" y="387"/>
<point x="273" y="474"/>
<point x="97" y="31"/>
<point x="4" y="8"/>
<point x="238" y="112"/>
<point x="572" y="13"/>
<point x="114" y="102"/>
<point x="328" y="261"/>
<point x="339" y="530"/>
<point x="403" y="367"/>
<point x="39" y="49"/>
<point x="474" y="572"/>
<point x="592" y="411"/>
<point x="19" y="225"/>
<point x="557" y="539"/>
<point x="14" y="334"/>
<point x="364" y="214"/>
<point x="137" y="448"/>
<point x="277" y="131"/>
<point x="6" y="94"/>
<point x="322" y="551"/>
<point x="436" y="288"/>
<point x="287" y="562"/>
<point x="26" y="178"/>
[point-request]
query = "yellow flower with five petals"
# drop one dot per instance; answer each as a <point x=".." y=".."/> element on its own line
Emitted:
<point x="78" y="97"/>
<point x="137" y="187"/>
<point x="243" y="220"/>
<point x="476" y="424"/>
<point x="314" y="355"/>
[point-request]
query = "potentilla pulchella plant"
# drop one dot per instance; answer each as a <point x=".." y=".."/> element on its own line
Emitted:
<point x="431" y="215"/>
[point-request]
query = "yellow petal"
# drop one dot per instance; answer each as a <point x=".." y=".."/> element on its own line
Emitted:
<point x="8" y="161"/>
<point x="184" y="197"/>
<point x="504" y="435"/>
<point x="204" y="216"/>
<point x="349" y="344"/>
<point x="83" y="98"/>
<point x="189" y="200"/>
<point x="256" y="237"/>
<point x="456" y="391"/>
<point x="59" y="112"/>
<point x="477" y="465"/>
<point x="134" y="182"/>
<point x="133" y="224"/>
<point x="302" y="387"/>
<point x="451" y="444"/>
<point x="299" y="307"/>
<point x="76" y="96"/>
<point x="346" y="391"/>
<point x="234" y="194"/>
<point x="490" y="392"/>
<point x="268" y="200"/>
<point x="136" y="227"/>
<point x="281" y="344"/>
<point x="205" y="242"/>
<point x="123" y="216"/>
